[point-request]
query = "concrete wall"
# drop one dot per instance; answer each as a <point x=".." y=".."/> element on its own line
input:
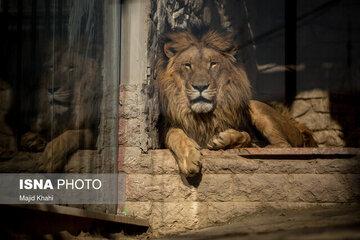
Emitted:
<point x="327" y="70"/>
<point x="232" y="187"/>
<point x="133" y="127"/>
<point x="333" y="118"/>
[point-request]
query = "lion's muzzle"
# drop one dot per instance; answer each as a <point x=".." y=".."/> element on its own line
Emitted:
<point x="201" y="98"/>
<point x="59" y="100"/>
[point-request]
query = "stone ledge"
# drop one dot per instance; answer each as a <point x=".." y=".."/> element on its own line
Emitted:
<point x="236" y="183"/>
<point x="312" y="188"/>
<point x="312" y="161"/>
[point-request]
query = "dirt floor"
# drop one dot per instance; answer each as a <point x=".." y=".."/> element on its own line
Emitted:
<point x="342" y="222"/>
<point x="336" y="222"/>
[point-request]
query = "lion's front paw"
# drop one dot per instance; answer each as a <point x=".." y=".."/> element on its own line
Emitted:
<point x="228" y="139"/>
<point x="52" y="158"/>
<point x="32" y="142"/>
<point x="189" y="159"/>
<point x="185" y="150"/>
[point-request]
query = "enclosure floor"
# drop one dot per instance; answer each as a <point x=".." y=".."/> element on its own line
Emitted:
<point x="340" y="222"/>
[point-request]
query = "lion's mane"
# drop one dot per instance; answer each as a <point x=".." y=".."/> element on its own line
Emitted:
<point x="232" y="108"/>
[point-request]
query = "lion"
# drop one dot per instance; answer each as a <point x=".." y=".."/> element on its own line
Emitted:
<point x="68" y="109"/>
<point x="205" y="99"/>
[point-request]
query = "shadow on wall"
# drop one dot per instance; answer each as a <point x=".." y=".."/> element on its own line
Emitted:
<point x="344" y="109"/>
<point x="332" y="116"/>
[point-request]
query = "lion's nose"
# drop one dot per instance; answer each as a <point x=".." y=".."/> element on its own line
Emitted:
<point x="200" y="88"/>
<point x="53" y="89"/>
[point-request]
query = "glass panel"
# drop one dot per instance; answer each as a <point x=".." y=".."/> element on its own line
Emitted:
<point x="51" y="85"/>
<point x="307" y="55"/>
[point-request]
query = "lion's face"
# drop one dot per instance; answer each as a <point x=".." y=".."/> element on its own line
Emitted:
<point x="60" y="74"/>
<point x="60" y="71"/>
<point x="199" y="75"/>
<point x="69" y="90"/>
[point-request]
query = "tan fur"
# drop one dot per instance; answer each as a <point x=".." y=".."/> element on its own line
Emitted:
<point x="222" y="115"/>
<point x="307" y="135"/>
<point x="278" y="127"/>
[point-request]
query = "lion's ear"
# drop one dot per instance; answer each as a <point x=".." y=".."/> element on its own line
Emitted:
<point x="235" y="50"/>
<point x="232" y="52"/>
<point x="169" y="50"/>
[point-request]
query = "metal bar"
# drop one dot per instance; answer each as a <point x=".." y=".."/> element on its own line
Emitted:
<point x="290" y="49"/>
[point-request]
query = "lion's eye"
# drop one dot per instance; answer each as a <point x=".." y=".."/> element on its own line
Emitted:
<point x="187" y="65"/>
<point x="213" y="64"/>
